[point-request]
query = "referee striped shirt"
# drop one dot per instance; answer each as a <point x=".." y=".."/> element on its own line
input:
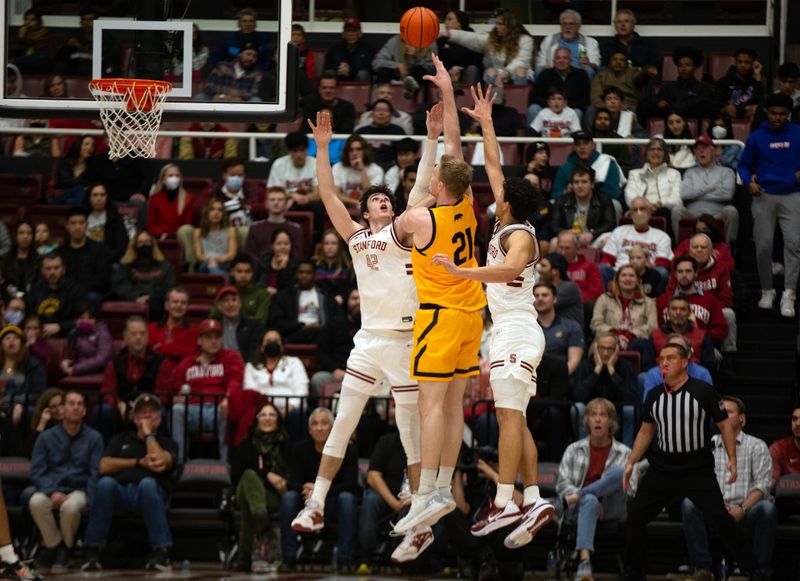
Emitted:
<point x="683" y="436"/>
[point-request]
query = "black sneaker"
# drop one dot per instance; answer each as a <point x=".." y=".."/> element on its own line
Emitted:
<point x="159" y="560"/>
<point x="61" y="564"/>
<point x="92" y="563"/>
<point x="289" y="565"/>
<point x="45" y="558"/>
<point x="18" y="571"/>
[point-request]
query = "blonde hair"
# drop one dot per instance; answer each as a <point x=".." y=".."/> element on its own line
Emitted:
<point x="608" y="407"/>
<point x="613" y="286"/>
<point x="131" y="253"/>
<point x="455" y="174"/>
<point x="159" y="187"/>
<point x="508" y="44"/>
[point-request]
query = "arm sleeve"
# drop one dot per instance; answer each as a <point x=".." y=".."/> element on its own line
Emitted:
<point x="644" y="331"/>
<point x="475" y="41"/>
<point x="762" y="468"/>
<point x="691" y="188"/>
<point x="712" y="402"/>
<point x="635" y="187"/>
<point x="608" y="219"/>
<point x="422" y="184"/>
<point x="748" y="159"/>
<point x="599" y="324"/>
<point x="561" y="180"/>
<point x="647" y="408"/>
<point x="777" y="464"/>
<point x="100" y="357"/>
<point x="542" y="57"/>
<point x="565" y="484"/>
<point x="584" y="381"/>
<point x="593" y="51"/>
<point x="94" y="466"/>
<point x="385" y="59"/>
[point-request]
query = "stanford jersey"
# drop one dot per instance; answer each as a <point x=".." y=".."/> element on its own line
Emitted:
<point x="385" y="281"/>
<point x="515" y="296"/>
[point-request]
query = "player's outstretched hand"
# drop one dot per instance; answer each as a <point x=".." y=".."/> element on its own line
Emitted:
<point x="482" y="109"/>
<point x="434" y="121"/>
<point x="442" y="78"/>
<point x="445" y="261"/>
<point x="322" y="130"/>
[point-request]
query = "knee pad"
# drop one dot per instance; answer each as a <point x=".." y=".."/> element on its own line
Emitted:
<point x="348" y="413"/>
<point x="407" y="418"/>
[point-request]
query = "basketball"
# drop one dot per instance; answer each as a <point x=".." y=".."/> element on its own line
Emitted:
<point x="419" y="27"/>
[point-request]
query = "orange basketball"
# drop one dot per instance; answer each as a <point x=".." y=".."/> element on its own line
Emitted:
<point x="419" y="27"/>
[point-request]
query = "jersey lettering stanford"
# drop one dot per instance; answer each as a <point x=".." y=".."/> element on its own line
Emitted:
<point x="385" y="281"/>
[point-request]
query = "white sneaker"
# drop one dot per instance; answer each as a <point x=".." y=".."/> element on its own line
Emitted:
<point x="787" y="303"/>
<point x="536" y="515"/>
<point x="495" y="518"/>
<point x="777" y="269"/>
<point x="767" y="299"/>
<point x="309" y="519"/>
<point x="413" y="545"/>
<point x="426" y="510"/>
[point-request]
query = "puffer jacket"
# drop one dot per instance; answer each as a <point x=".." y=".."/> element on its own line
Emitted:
<point x="659" y="185"/>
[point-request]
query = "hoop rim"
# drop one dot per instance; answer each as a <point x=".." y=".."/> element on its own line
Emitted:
<point x="119" y="86"/>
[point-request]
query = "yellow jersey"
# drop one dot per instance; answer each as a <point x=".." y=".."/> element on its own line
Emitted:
<point x="453" y="234"/>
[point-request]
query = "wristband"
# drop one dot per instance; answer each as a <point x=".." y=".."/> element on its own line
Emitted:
<point x="149" y="436"/>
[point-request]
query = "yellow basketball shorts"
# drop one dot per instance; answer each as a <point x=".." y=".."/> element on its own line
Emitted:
<point x="446" y="343"/>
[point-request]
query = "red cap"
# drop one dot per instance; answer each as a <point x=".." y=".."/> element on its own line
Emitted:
<point x="704" y="140"/>
<point x="352" y="23"/>
<point x="209" y="326"/>
<point x="226" y="290"/>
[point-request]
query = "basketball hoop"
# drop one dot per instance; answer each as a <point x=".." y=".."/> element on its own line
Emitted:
<point x="130" y="110"/>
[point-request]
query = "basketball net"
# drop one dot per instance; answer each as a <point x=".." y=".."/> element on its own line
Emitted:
<point x="130" y="110"/>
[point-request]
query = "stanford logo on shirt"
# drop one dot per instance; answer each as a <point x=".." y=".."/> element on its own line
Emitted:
<point x="200" y="371"/>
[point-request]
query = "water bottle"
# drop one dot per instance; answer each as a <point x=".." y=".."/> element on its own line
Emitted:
<point x="723" y="570"/>
<point x="335" y="560"/>
<point x="581" y="51"/>
<point x="551" y="564"/>
<point x="186" y="389"/>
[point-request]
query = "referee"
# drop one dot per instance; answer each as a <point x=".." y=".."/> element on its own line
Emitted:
<point x="682" y="463"/>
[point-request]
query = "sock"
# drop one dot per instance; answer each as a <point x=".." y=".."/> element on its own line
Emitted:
<point x="321" y="488"/>
<point x="7" y="554"/>
<point x="427" y="480"/>
<point x="504" y="494"/>
<point x="531" y="495"/>
<point x="445" y="477"/>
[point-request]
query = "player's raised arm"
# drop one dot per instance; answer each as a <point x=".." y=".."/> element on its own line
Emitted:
<point x="340" y="217"/>
<point x="482" y="112"/>
<point x="421" y="192"/>
<point x="452" y="128"/>
<point x="520" y="253"/>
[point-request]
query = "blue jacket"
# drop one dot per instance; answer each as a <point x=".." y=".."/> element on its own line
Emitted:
<point x="653" y="377"/>
<point x="63" y="464"/>
<point x="773" y="157"/>
<point x="610" y="186"/>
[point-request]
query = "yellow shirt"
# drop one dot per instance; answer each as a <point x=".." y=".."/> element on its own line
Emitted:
<point x="453" y="234"/>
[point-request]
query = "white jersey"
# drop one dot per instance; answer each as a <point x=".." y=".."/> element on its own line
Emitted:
<point x="624" y="237"/>
<point x="385" y="281"/>
<point x="515" y="296"/>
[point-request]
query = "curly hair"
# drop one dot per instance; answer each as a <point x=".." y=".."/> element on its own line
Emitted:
<point x="508" y="44"/>
<point x="368" y="155"/>
<point x="524" y="198"/>
<point x="376" y="189"/>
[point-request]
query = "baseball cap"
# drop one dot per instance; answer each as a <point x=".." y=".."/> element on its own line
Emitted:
<point x="582" y="136"/>
<point x="209" y="326"/>
<point x="352" y="23"/>
<point x="704" y="140"/>
<point x="226" y="290"/>
<point x="146" y="399"/>
<point x="248" y="46"/>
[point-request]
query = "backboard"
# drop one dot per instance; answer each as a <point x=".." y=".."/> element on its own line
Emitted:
<point x="227" y="60"/>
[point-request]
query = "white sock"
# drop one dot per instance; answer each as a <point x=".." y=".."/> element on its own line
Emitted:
<point x="427" y="480"/>
<point x="445" y="477"/>
<point x="531" y="495"/>
<point x="321" y="488"/>
<point x="505" y="493"/>
<point x="8" y="555"/>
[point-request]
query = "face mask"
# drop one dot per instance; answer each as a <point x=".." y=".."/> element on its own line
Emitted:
<point x="85" y="327"/>
<point x="234" y="183"/>
<point x="144" y="251"/>
<point x="13" y="317"/>
<point x="272" y="349"/>
<point x="718" y="132"/>
<point x="172" y="182"/>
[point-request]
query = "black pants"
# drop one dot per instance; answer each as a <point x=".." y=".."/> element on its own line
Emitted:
<point x="657" y="489"/>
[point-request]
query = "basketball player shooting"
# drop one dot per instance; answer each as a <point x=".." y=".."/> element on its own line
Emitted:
<point x="517" y="339"/>
<point x="382" y="262"/>
<point x="448" y="325"/>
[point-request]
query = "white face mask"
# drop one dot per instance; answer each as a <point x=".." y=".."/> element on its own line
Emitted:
<point x="719" y="132"/>
<point x="172" y="182"/>
<point x="234" y="183"/>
